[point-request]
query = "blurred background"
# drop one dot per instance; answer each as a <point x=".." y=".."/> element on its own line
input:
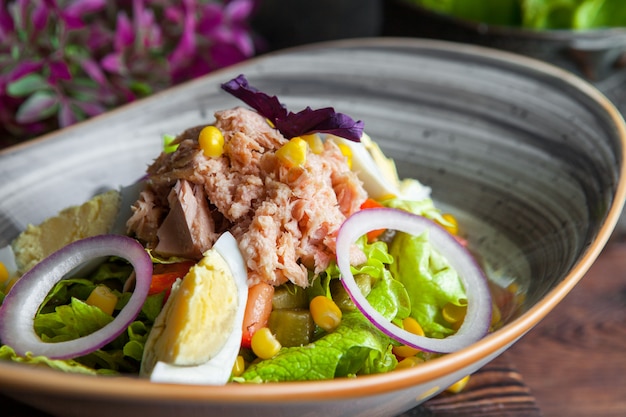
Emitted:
<point x="65" y="61"/>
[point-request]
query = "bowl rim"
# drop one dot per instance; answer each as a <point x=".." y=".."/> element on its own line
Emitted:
<point x="16" y="378"/>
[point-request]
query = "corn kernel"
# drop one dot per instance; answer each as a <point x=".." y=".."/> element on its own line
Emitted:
<point x="347" y="152"/>
<point x="239" y="366"/>
<point x="412" y="326"/>
<point x="211" y="142"/>
<point x="103" y="298"/>
<point x="452" y="225"/>
<point x="293" y="153"/>
<point x="453" y="313"/>
<point x="4" y="273"/>
<point x="404" y="351"/>
<point x="325" y="313"/>
<point x="264" y="344"/>
<point x="315" y="143"/>
<point x="410" y="362"/>
<point x="459" y="385"/>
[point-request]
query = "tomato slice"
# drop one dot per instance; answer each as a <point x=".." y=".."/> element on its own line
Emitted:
<point x="258" y="309"/>
<point x="165" y="275"/>
<point x="372" y="235"/>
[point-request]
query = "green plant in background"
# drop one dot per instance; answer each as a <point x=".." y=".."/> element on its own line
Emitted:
<point x="62" y="61"/>
<point x="535" y="14"/>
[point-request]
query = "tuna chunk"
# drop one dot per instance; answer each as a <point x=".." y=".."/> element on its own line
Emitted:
<point x="284" y="218"/>
<point x="188" y="229"/>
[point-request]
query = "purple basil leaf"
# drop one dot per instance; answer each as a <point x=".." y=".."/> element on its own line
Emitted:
<point x="323" y="120"/>
<point x="268" y="107"/>
<point x="296" y="124"/>
<point x="341" y="125"/>
<point x="307" y="121"/>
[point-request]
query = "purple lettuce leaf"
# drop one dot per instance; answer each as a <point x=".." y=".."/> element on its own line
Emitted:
<point x="305" y="122"/>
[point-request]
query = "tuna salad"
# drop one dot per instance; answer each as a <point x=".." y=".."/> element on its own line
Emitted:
<point x="263" y="246"/>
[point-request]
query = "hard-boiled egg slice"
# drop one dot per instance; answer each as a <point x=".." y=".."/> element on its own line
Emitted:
<point x="196" y="337"/>
<point x="379" y="174"/>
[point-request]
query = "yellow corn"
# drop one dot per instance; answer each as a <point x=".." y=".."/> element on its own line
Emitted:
<point x="346" y="151"/>
<point x="315" y="143"/>
<point x="211" y="142"/>
<point x="452" y="225"/>
<point x="410" y="362"/>
<point x="412" y="326"/>
<point x="4" y="273"/>
<point x="264" y="344"/>
<point x="293" y="153"/>
<point x="453" y="313"/>
<point x="459" y="385"/>
<point x="325" y="313"/>
<point x="103" y="298"/>
<point x="239" y="366"/>
<point x="404" y="351"/>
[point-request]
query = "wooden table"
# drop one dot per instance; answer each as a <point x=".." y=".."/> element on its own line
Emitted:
<point x="574" y="361"/>
<point x="572" y="364"/>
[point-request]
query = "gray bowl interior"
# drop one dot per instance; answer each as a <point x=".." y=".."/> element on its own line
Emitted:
<point x="526" y="156"/>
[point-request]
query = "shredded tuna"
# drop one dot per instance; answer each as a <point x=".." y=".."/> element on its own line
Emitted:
<point x="284" y="218"/>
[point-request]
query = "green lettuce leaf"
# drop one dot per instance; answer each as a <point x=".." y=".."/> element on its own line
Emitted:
<point x="71" y="321"/>
<point x="429" y="279"/>
<point x="534" y="14"/>
<point x="425" y="208"/>
<point x="600" y="13"/>
<point x="7" y="353"/>
<point x="355" y="347"/>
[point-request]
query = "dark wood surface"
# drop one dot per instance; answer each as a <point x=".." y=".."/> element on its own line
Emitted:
<point x="574" y="361"/>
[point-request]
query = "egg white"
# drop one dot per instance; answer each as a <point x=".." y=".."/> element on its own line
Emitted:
<point x="217" y="370"/>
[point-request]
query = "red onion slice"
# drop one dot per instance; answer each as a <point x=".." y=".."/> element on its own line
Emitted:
<point x="20" y="306"/>
<point x="478" y="316"/>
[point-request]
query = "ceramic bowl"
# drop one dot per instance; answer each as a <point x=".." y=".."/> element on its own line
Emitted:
<point x="528" y="157"/>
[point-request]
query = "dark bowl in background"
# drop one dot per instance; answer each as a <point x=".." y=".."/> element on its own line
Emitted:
<point x="592" y="54"/>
